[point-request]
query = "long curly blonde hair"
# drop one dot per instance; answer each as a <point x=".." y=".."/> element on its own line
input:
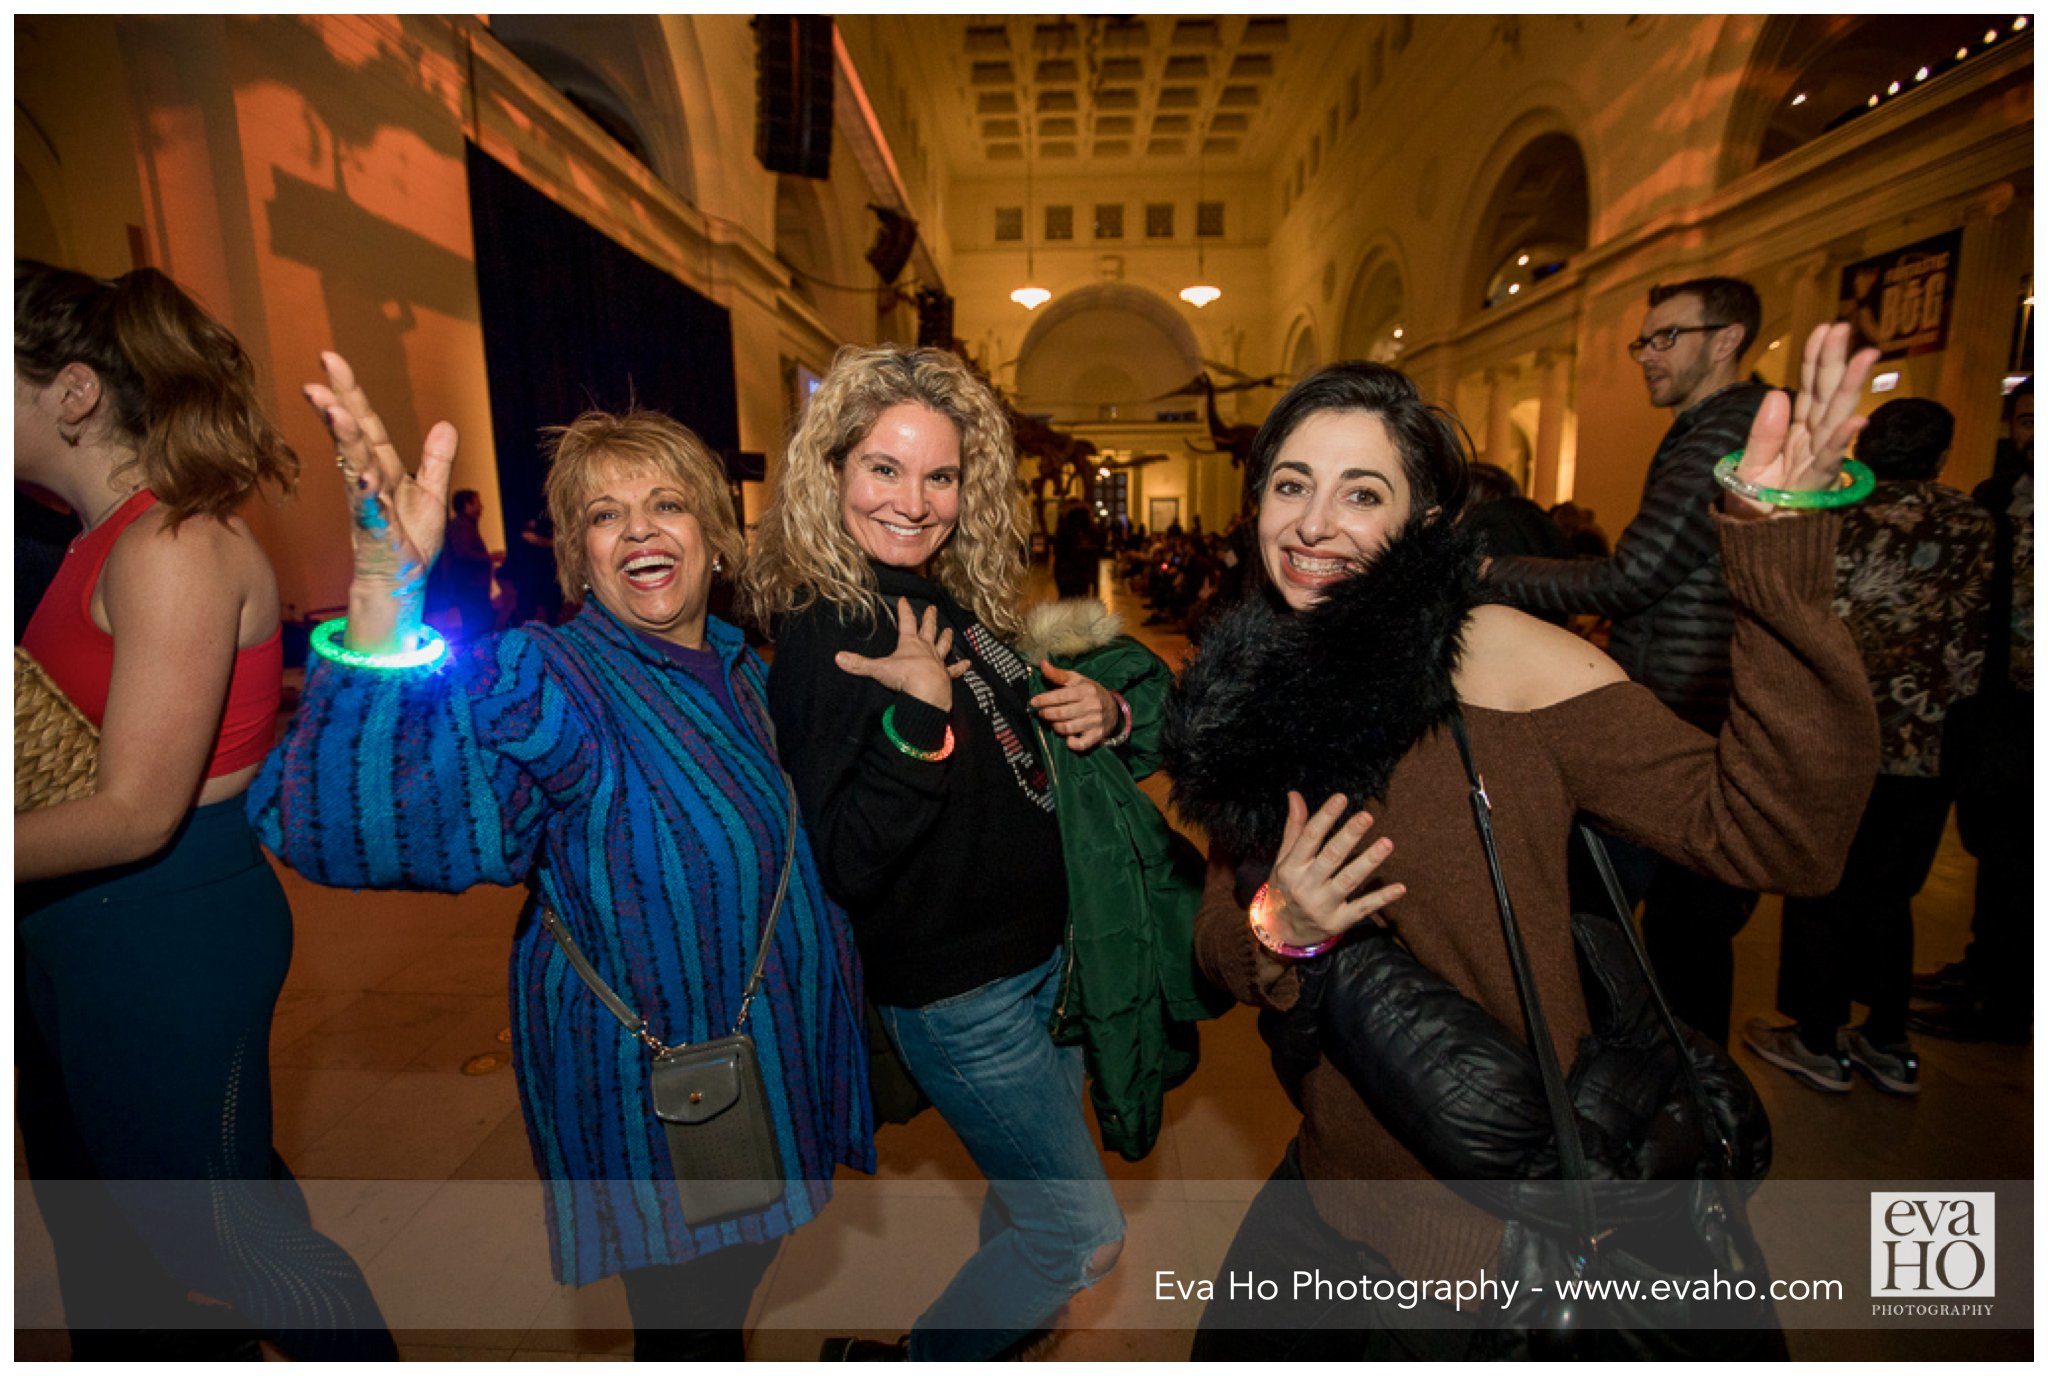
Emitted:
<point x="804" y="553"/>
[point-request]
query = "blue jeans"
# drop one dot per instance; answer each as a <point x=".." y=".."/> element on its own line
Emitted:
<point x="987" y="1061"/>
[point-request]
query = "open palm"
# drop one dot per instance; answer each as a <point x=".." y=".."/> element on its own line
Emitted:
<point x="1798" y="445"/>
<point x="400" y="518"/>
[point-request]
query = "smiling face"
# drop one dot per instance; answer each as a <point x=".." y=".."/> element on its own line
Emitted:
<point x="899" y="490"/>
<point x="648" y="561"/>
<point x="1336" y="494"/>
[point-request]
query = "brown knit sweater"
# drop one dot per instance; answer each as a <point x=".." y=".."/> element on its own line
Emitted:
<point x="1770" y="804"/>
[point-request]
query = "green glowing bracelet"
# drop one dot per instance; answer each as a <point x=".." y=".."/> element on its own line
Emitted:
<point x="1857" y="482"/>
<point x="928" y="756"/>
<point x="327" y="644"/>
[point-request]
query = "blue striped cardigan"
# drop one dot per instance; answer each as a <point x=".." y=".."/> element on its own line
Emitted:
<point x="580" y="761"/>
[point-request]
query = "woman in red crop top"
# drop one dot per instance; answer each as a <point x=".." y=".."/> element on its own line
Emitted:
<point x="147" y="916"/>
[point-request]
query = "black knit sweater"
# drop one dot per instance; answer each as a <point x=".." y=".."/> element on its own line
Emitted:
<point x="950" y="870"/>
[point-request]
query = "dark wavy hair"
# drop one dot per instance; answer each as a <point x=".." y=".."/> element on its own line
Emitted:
<point x="1907" y="439"/>
<point x="1435" y="454"/>
<point x="178" y="386"/>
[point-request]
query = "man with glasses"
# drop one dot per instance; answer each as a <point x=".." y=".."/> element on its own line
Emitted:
<point x="1671" y="611"/>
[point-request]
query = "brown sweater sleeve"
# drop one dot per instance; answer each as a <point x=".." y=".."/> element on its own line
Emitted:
<point x="1227" y="951"/>
<point x="1772" y="802"/>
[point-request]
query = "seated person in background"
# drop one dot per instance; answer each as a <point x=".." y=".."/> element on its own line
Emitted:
<point x="1503" y="521"/>
<point x="1582" y="529"/>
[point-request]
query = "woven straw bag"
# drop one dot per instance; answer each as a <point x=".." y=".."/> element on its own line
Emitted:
<point x="56" y="750"/>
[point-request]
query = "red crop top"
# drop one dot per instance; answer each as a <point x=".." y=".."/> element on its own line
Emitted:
<point x="79" y="656"/>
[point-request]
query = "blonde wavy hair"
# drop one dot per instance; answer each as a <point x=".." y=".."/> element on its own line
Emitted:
<point x="804" y="554"/>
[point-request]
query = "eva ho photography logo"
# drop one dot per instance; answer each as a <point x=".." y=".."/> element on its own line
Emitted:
<point x="1933" y="1245"/>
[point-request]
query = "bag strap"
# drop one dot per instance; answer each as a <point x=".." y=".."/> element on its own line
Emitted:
<point x="623" y="1011"/>
<point x="1711" y="1133"/>
<point x="1571" y="1149"/>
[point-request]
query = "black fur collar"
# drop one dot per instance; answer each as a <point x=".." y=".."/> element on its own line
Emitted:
<point x="1324" y="701"/>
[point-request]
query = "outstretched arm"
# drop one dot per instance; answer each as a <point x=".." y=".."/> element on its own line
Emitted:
<point x="1773" y="801"/>
<point x="399" y="518"/>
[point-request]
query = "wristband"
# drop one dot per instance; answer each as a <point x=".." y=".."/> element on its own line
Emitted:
<point x="1123" y="706"/>
<point x="1857" y="482"/>
<point x="928" y="756"/>
<point x="1262" y="905"/>
<point x="430" y="649"/>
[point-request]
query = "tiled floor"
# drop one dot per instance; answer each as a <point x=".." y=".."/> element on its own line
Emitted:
<point x="391" y="1065"/>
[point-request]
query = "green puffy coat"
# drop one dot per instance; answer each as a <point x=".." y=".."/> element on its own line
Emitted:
<point x="1130" y="994"/>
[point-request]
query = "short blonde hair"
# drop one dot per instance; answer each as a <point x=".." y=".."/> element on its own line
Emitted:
<point x="580" y="453"/>
<point x="804" y="552"/>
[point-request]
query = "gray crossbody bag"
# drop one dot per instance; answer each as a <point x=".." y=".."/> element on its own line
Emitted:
<point x="709" y="1095"/>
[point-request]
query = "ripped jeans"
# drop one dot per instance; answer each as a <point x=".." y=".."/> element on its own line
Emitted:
<point x="988" y="1063"/>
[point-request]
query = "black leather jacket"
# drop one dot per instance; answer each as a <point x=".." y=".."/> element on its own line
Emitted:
<point x="1461" y="1091"/>
<point x="1673" y="619"/>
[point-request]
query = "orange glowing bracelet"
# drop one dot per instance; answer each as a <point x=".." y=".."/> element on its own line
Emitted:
<point x="1262" y="907"/>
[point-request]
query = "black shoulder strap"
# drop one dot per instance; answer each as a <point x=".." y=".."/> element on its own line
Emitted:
<point x="1571" y="1150"/>
<point x="1709" y="1122"/>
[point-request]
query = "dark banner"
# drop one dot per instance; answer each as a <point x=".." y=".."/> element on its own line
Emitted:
<point x="1899" y="301"/>
<point x="572" y="321"/>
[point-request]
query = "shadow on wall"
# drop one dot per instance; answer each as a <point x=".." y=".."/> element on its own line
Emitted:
<point x="374" y="272"/>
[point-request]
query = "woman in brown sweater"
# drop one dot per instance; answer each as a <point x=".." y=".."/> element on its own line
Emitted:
<point x="1333" y="685"/>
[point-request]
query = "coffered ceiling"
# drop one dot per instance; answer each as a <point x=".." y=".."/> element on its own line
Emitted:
<point x="1097" y="93"/>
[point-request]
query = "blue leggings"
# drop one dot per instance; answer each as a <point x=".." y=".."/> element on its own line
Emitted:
<point x="143" y="999"/>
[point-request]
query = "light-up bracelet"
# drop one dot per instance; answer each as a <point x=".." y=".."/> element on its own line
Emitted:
<point x="1857" y="483"/>
<point x="1123" y="705"/>
<point x="327" y="643"/>
<point x="1262" y="905"/>
<point x="928" y="756"/>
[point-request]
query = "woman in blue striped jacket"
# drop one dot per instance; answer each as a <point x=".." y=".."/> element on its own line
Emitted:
<point x="622" y="767"/>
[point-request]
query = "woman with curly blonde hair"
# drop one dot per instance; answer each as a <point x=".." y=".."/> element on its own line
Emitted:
<point x="912" y="743"/>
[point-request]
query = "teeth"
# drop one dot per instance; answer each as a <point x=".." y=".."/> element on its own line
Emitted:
<point x="1316" y="566"/>
<point x="642" y="563"/>
<point x="906" y="532"/>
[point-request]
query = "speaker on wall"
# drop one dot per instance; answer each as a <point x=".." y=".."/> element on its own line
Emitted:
<point x="934" y="319"/>
<point x="894" y="240"/>
<point x="793" y="94"/>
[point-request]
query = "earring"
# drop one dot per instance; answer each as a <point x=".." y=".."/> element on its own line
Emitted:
<point x="717" y="563"/>
<point x="70" y="437"/>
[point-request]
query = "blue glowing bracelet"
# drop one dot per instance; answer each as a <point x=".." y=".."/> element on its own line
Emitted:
<point x="327" y="643"/>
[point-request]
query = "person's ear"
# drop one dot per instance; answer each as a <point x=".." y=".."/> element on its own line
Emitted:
<point x="79" y="392"/>
<point x="1728" y="343"/>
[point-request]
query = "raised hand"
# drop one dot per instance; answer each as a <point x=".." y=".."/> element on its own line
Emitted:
<point x="1799" y="445"/>
<point x="1314" y="892"/>
<point x="1077" y="707"/>
<point x="399" y="518"/>
<point x="917" y="667"/>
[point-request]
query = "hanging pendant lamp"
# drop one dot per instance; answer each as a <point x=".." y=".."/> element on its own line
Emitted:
<point x="1030" y="296"/>
<point x="1202" y="292"/>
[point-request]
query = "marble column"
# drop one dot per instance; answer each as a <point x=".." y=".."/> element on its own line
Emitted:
<point x="1500" y="398"/>
<point x="1554" y="373"/>
<point x="1997" y="248"/>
